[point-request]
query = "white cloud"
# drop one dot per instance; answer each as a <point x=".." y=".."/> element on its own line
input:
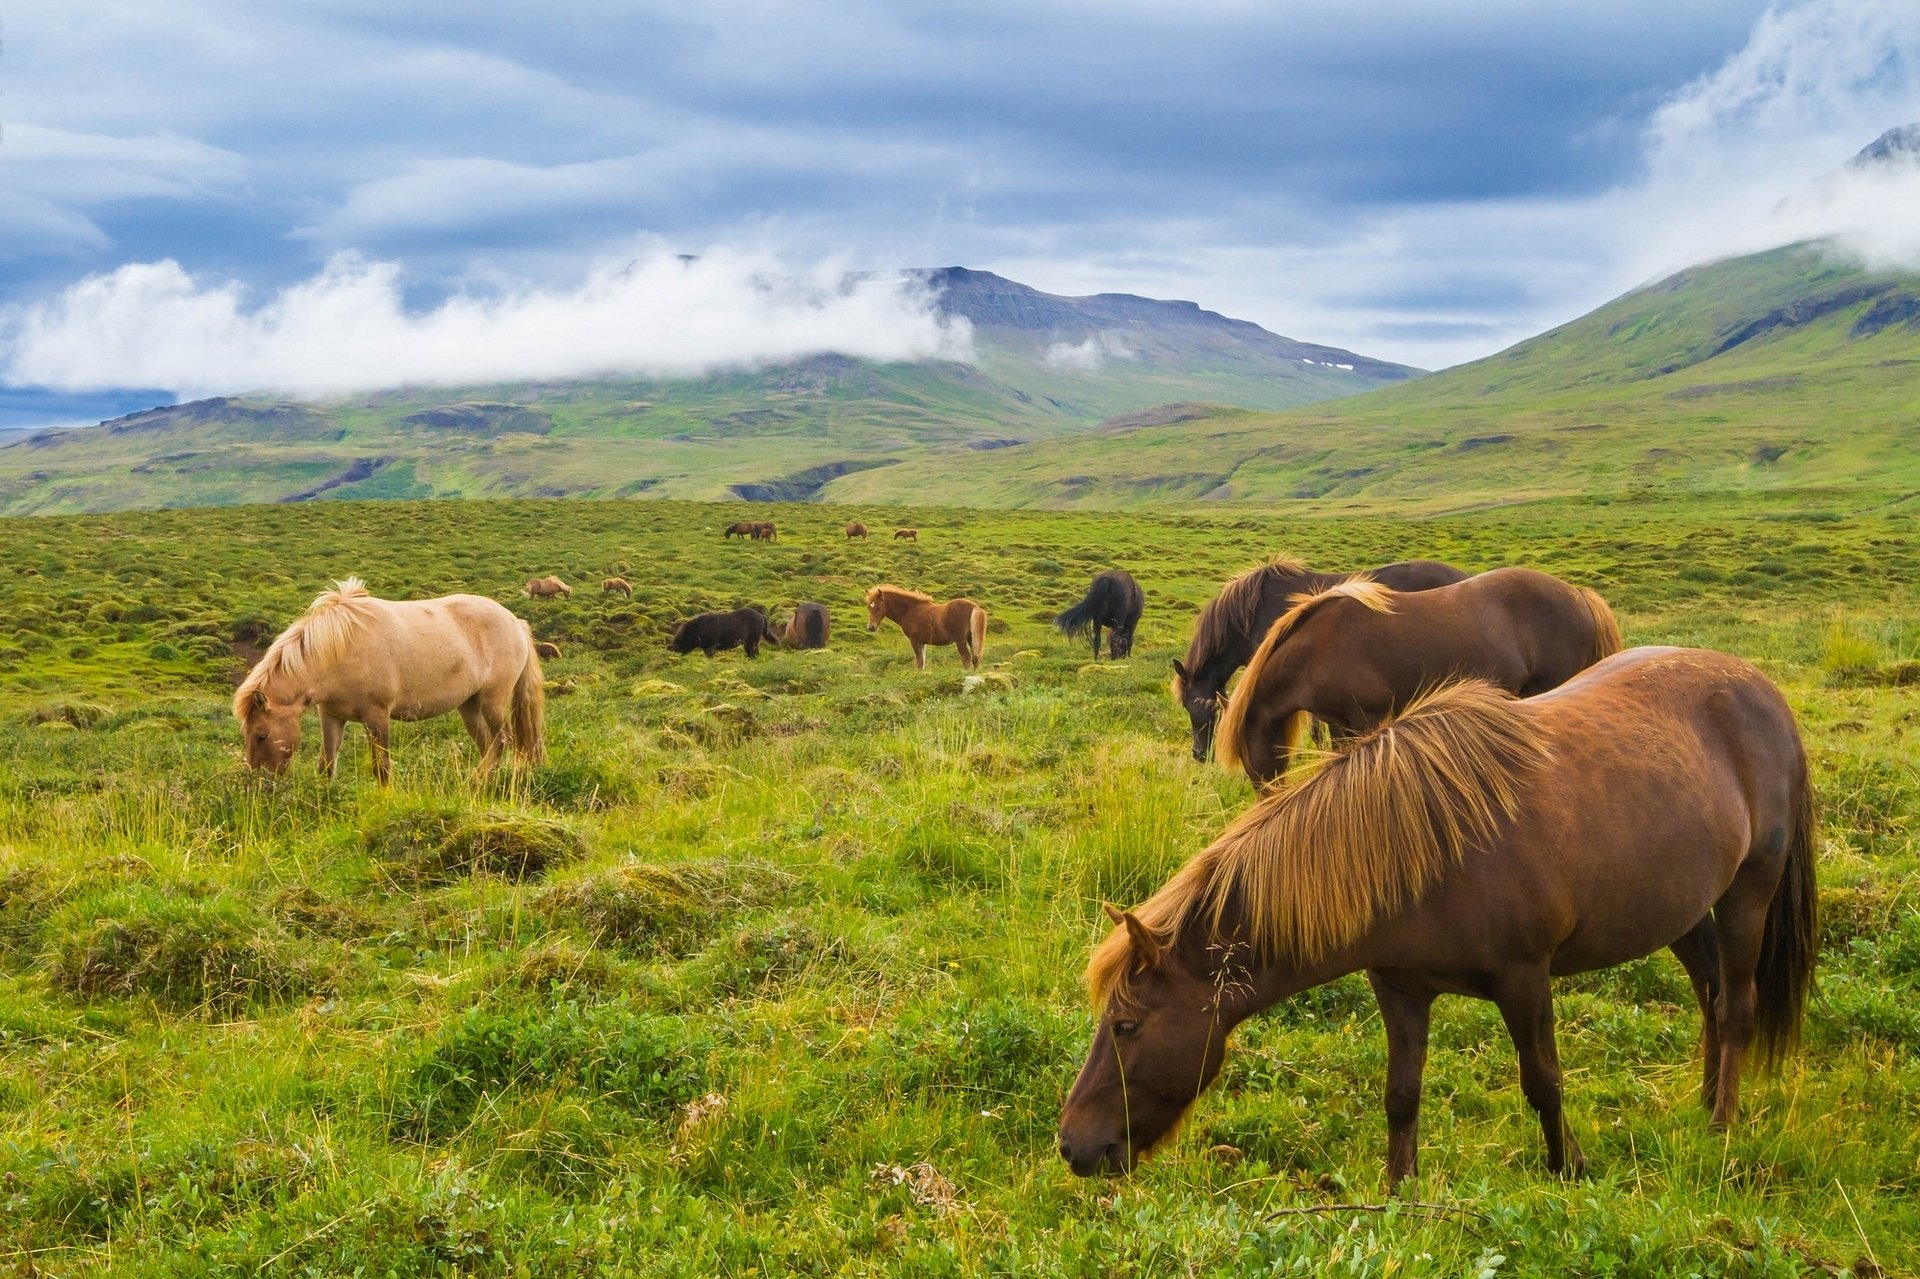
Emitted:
<point x="1090" y="354"/>
<point x="346" y="329"/>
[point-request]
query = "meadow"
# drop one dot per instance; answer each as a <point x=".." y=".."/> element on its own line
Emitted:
<point x="774" y="966"/>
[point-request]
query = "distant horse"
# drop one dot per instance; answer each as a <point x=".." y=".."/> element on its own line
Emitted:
<point x="807" y="628"/>
<point x="961" y="623"/>
<point x="546" y="649"/>
<point x="711" y="632"/>
<point x="764" y="531"/>
<point x="1478" y="845"/>
<point x="1233" y="623"/>
<point x="545" y="588"/>
<point x="906" y="535"/>
<point x="616" y="586"/>
<point x="740" y="528"/>
<point x="856" y="529"/>
<point x="356" y="658"/>
<point x="1354" y="653"/>
<point x="1114" y="601"/>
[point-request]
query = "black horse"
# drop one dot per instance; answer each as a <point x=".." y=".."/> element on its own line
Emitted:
<point x="1113" y="601"/>
<point x="710" y="632"/>
<point x="807" y="628"/>
<point x="1234" y="622"/>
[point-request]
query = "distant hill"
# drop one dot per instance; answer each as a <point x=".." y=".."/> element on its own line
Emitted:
<point x="1794" y="367"/>
<point x="1047" y="367"/>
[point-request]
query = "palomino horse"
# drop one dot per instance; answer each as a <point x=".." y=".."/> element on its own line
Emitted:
<point x="1353" y="654"/>
<point x="1478" y="845"/>
<point x="545" y="588"/>
<point x="1113" y="601"/>
<point x="1230" y="627"/>
<point x="856" y="529"/>
<point x="906" y="535"/>
<point x="961" y="622"/>
<point x="353" y="657"/>
<point x="616" y="586"/>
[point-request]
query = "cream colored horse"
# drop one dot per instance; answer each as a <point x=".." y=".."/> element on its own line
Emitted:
<point x="353" y="657"/>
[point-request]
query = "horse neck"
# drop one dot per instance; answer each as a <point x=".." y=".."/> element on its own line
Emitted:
<point x="1250" y="985"/>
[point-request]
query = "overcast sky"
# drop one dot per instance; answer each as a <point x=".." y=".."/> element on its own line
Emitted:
<point x="1420" y="180"/>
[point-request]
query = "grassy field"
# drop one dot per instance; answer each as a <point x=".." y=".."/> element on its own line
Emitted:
<point x="774" y="967"/>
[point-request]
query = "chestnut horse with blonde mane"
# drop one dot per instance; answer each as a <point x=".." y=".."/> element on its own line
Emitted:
<point x="353" y="657"/>
<point x="961" y="623"/>
<point x="1480" y="845"/>
<point x="1354" y="653"/>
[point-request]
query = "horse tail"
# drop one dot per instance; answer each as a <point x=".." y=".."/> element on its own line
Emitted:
<point x="977" y="627"/>
<point x="1606" y="628"/>
<point x="530" y="708"/>
<point x="1790" y="943"/>
<point x="1075" y="619"/>
<point x="816" y="628"/>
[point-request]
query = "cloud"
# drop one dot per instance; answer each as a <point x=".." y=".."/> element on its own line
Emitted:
<point x="347" y="329"/>
<point x="1090" y="354"/>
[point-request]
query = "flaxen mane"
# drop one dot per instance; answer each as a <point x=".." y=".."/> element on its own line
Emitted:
<point x="1227" y="740"/>
<point x="1311" y="867"/>
<point x="1606" y="627"/>
<point x="899" y="592"/>
<point x="317" y="637"/>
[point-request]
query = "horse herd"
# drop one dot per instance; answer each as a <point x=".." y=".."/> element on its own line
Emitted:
<point x="1509" y="797"/>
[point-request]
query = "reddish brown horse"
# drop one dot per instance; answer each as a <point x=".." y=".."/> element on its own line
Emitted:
<point x="856" y="529"/>
<point x="1479" y="845"/>
<point x="961" y="623"/>
<point x="1232" y="624"/>
<point x="1353" y="654"/>
<point x="906" y="535"/>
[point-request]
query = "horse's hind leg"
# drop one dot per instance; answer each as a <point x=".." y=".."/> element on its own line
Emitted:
<point x="1739" y="919"/>
<point x="1406" y="1013"/>
<point x="1526" y="1005"/>
<point x="486" y="726"/>
<point x="1698" y="951"/>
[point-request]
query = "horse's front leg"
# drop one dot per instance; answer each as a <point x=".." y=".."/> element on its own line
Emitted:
<point x="919" y="655"/>
<point x="1526" y="1005"/>
<point x="378" y="728"/>
<point x="331" y="731"/>
<point x="1406" y="1011"/>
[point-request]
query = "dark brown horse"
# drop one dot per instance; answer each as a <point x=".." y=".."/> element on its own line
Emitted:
<point x="740" y="528"/>
<point x="856" y="529"/>
<point x="807" y="628"/>
<point x="1479" y="845"/>
<point x="1353" y="654"/>
<point x="1233" y="623"/>
<point x="961" y="623"/>
<point x="1113" y="601"/>
<point x="744" y="628"/>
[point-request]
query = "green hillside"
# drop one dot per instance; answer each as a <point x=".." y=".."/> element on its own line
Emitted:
<point x="1785" y="369"/>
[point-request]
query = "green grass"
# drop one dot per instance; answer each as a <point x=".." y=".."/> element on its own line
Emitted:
<point x="760" y="933"/>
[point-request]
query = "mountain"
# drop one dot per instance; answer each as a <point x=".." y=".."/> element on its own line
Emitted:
<point x="1792" y="368"/>
<point x="1046" y="367"/>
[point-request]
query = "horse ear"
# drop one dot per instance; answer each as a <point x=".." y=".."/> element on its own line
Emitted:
<point x="1146" y="947"/>
<point x="1178" y="669"/>
<point x="259" y="699"/>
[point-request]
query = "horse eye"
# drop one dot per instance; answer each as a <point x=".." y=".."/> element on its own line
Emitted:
<point x="259" y="737"/>
<point x="1125" y="1029"/>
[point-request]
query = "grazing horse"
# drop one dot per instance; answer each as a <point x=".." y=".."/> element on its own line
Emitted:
<point x="856" y="529"/>
<point x="961" y="623"/>
<point x="1114" y="601"/>
<point x="740" y="528"/>
<point x="1479" y="845"/>
<point x="763" y="531"/>
<point x="710" y="632"/>
<point x="906" y="535"/>
<point x="807" y="628"/>
<point x="353" y="657"/>
<point x="616" y="586"/>
<point x="1353" y="654"/>
<point x="545" y="588"/>
<point x="1230" y="627"/>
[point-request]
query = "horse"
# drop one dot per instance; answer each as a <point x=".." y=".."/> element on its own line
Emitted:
<point x="1114" y="601"/>
<point x="711" y="632"/>
<point x="546" y="649"/>
<point x="906" y="535"/>
<point x="616" y="586"/>
<point x="764" y="531"/>
<point x="856" y="529"/>
<point x="807" y="628"/>
<point x="1481" y="845"/>
<point x="1230" y="627"/>
<point x="1353" y="653"/>
<point x="545" y="588"/>
<point x="739" y="528"/>
<point x="961" y="623"/>
<point x="354" y="657"/>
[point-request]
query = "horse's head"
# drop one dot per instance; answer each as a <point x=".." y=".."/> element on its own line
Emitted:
<point x="1160" y="1042"/>
<point x="1201" y="701"/>
<point x="876" y="610"/>
<point x="270" y="731"/>
<point x="1119" y="644"/>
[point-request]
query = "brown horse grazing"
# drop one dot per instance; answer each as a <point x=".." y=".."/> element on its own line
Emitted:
<point x="856" y="529"/>
<point x="1232" y="624"/>
<point x="906" y="535"/>
<point x="740" y="528"/>
<point x="1353" y="654"/>
<point x="764" y="531"/>
<point x="354" y="657"/>
<point x="616" y="586"/>
<point x="807" y="628"/>
<point x="1479" y="845"/>
<point x="545" y="588"/>
<point x="961" y="623"/>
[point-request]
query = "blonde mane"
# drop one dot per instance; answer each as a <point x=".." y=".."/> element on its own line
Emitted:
<point x="1309" y="869"/>
<point x="1360" y="588"/>
<point x="315" y="638"/>
<point x="898" y="592"/>
<point x="1232" y="613"/>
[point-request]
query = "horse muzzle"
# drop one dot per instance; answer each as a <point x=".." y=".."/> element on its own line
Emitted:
<point x="873" y="626"/>
<point x="1090" y="1159"/>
